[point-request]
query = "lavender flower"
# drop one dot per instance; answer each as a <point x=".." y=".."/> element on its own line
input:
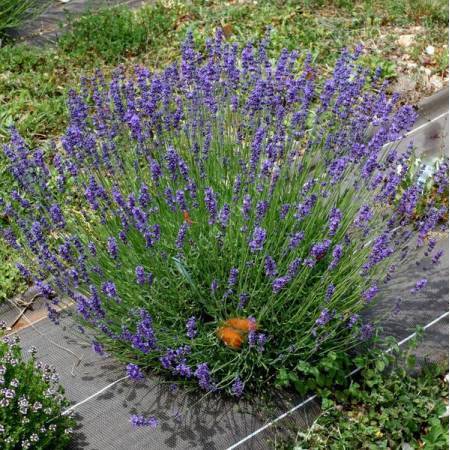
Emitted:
<point x="237" y="388"/>
<point x="303" y="209"/>
<point x="92" y="249"/>
<point x="246" y="206"/>
<point x="57" y="216"/>
<point x="366" y="332"/>
<point x="134" y="372"/>
<point x="335" y="220"/>
<point x="352" y="320"/>
<point x="191" y="328"/>
<point x="112" y="247"/>
<point x="270" y="267"/>
<point x="284" y="210"/>
<point x="258" y="239"/>
<point x="337" y="255"/>
<point x="98" y="348"/>
<point x="324" y="318"/>
<point x="232" y="278"/>
<point x="364" y="216"/>
<point x="330" y="291"/>
<point x="296" y="239"/>
<point x="370" y="293"/>
<point x="211" y="204"/>
<point x="203" y="375"/>
<point x="109" y="289"/>
<point x="243" y="299"/>
<point x="319" y="250"/>
<point x="181" y="235"/>
<point x="280" y="283"/>
<point x="140" y="275"/>
<point x="144" y="339"/>
<point x="224" y="215"/>
<point x="141" y="421"/>
<point x="261" y="209"/>
<point x="419" y="285"/>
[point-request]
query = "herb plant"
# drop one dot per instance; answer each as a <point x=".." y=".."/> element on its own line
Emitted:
<point x="382" y="408"/>
<point x="31" y="402"/>
<point x="224" y="218"/>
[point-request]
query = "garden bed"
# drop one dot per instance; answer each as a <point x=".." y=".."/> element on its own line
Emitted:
<point x="259" y="311"/>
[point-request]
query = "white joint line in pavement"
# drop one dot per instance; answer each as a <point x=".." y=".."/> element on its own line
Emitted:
<point x="440" y="116"/>
<point x="94" y="395"/>
<point x="313" y="397"/>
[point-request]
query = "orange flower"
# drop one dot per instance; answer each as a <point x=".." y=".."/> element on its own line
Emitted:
<point x="243" y="324"/>
<point x="187" y="218"/>
<point x="230" y="337"/>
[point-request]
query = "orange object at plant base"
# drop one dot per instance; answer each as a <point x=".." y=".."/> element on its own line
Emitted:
<point x="242" y="324"/>
<point x="230" y="337"/>
<point x="187" y="218"/>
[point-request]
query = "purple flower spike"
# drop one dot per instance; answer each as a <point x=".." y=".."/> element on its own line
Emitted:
<point x="280" y="283"/>
<point x="324" y="318"/>
<point x="141" y="421"/>
<point x="352" y="320"/>
<point x="335" y="220"/>
<point x="112" y="247"/>
<point x="337" y="255"/>
<point x="296" y="239"/>
<point x="270" y="267"/>
<point x="203" y="375"/>
<point x="109" y="288"/>
<point x="232" y="279"/>
<point x="419" y="285"/>
<point x="330" y="291"/>
<point x="191" y="328"/>
<point x="370" y="293"/>
<point x="140" y="275"/>
<point x="224" y="215"/>
<point x="57" y="216"/>
<point x="134" y="372"/>
<point x="237" y="388"/>
<point x="181" y="235"/>
<point x="211" y="205"/>
<point x="320" y="249"/>
<point x="366" y="332"/>
<point x="98" y="348"/>
<point x="258" y="239"/>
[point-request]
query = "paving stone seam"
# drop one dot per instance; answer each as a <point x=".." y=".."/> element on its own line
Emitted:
<point x="95" y="394"/>
<point x="414" y="130"/>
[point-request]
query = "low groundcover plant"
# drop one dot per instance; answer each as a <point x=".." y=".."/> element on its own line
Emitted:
<point x="224" y="218"/>
<point x="31" y="402"/>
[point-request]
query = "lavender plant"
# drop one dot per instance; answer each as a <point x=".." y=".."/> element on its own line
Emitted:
<point x="31" y="402"/>
<point x="222" y="219"/>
